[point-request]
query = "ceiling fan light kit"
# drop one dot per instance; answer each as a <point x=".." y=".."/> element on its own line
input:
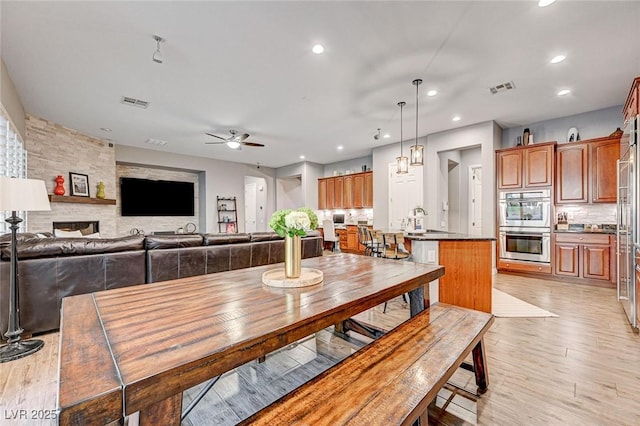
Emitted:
<point x="417" y="151"/>
<point x="235" y="141"/>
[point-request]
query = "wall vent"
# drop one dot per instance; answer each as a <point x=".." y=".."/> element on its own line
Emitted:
<point x="502" y="87"/>
<point x="134" y="102"/>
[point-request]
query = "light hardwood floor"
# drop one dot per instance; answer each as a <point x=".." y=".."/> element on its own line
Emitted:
<point x="582" y="368"/>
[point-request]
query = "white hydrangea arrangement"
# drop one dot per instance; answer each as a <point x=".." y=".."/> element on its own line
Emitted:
<point x="293" y="222"/>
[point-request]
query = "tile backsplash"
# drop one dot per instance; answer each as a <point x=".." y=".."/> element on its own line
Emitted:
<point x="589" y="213"/>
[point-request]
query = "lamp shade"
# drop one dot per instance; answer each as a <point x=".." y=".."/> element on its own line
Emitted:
<point x="18" y="194"/>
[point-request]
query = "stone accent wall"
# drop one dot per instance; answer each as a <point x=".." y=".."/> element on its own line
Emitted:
<point x="56" y="150"/>
<point x="154" y="223"/>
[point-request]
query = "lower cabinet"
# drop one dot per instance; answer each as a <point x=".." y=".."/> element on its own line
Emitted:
<point x="585" y="256"/>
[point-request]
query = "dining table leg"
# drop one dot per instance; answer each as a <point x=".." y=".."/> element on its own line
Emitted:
<point x="416" y="301"/>
<point x="166" y="412"/>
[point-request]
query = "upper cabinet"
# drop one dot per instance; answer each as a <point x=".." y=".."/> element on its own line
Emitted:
<point x="632" y="105"/>
<point x="353" y="191"/>
<point x="586" y="171"/>
<point x="525" y="167"/>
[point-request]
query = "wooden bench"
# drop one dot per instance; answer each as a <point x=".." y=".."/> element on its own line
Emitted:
<point x="392" y="380"/>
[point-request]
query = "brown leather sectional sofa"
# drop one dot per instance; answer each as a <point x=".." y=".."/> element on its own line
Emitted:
<point x="53" y="268"/>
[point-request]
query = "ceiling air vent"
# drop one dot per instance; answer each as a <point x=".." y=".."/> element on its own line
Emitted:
<point x="158" y="142"/>
<point x="134" y="102"/>
<point x="502" y="87"/>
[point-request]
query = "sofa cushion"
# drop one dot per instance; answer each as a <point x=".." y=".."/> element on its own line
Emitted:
<point x="155" y="242"/>
<point x="219" y="239"/>
<point x="51" y="247"/>
<point x="265" y="236"/>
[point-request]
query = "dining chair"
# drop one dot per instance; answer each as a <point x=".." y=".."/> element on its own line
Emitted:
<point x="366" y="241"/>
<point x="376" y="246"/>
<point x="394" y="249"/>
<point x="329" y="234"/>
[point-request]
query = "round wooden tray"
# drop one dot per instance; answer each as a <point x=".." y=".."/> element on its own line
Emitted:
<point x="276" y="278"/>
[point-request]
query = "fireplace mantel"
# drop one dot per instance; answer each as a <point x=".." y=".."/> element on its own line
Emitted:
<point x="79" y="200"/>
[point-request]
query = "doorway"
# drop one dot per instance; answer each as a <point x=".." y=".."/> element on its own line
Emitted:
<point x="405" y="194"/>
<point x="255" y="198"/>
<point x="475" y="199"/>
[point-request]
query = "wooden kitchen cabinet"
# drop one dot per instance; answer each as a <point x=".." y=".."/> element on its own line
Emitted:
<point x="590" y="257"/>
<point x="572" y="170"/>
<point x="632" y="105"/>
<point x="353" y="191"/>
<point x="322" y="194"/>
<point x="604" y="156"/>
<point x="586" y="171"/>
<point x="525" y="166"/>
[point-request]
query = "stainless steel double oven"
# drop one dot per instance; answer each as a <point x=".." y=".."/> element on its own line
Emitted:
<point x="525" y="225"/>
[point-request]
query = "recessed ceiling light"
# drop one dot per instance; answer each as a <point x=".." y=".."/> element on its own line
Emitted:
<point x="564" y="92"/>
<point x="557" y="59"/>
<point x="386" y="136"/>
<point x="302" y="157"/>
<point x="340" y="147"/>
<point x="456" y="118"/>
<point x="432" y="92"/>
<point x="318" y="49"/>
<point x="545" y="3"/>
<point x="105" y="129"/>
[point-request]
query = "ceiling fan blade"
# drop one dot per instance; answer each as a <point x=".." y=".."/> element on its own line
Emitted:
<point x="215" y="136"/>
<point x="214" y="143"/>
<point x="259" y="145"/>
<point x="243" y="136"/>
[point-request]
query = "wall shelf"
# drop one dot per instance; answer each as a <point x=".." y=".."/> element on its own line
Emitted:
<point x="80" y="200"/>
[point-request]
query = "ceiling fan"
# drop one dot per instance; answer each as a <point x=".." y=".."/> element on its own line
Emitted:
<point x="235" y="140"/>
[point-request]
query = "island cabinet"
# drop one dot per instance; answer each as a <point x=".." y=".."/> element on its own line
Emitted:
<point x="586" y="171"/>
<point x="348" y="238"/>
<point x="587" y="256"/>
<point x="353" y="191"/>
<point x="525" y="167"/>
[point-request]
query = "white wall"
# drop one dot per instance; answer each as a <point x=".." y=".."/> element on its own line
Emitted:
<point x="488" y="136"/>
<point x="10" y="101"/>
<point x="469" y="157"/>
<point x="308" y="174"/>
<point x="221" y="178"/>
<point x="592" y="124"/>
<point x="355" y="165"/>
<point x="289" y="193"/>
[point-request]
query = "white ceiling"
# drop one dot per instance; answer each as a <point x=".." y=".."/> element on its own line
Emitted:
<point x="249" y="66"/>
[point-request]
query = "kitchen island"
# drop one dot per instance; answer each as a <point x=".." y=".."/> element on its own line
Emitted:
<point x="467" y="260"/>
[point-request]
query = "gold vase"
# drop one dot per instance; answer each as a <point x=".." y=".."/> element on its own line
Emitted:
<point x="292" y="256"/>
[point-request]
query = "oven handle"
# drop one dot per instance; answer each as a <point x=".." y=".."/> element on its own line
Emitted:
<point x="525" y="234"/>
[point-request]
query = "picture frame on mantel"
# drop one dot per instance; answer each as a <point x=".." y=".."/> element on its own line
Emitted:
<point x="79" y="184"/>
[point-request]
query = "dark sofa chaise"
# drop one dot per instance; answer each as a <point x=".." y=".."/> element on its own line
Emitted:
<point x="53" y="268"/>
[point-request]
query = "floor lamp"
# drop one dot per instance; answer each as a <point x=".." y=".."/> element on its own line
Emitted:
<point x="19" y="195"/>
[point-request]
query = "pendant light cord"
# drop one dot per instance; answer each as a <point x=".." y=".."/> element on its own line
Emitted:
<point x="401" y="105"/>
<point x="417" y="83"/>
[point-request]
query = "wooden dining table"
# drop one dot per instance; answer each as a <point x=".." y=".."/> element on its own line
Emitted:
<point x="136" y="349"/>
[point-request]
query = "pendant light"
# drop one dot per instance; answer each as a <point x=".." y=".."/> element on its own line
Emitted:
<point x="417" y="151"/>
<point x="403" y="162"/>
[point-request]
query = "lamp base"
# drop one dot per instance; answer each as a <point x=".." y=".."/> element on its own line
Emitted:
<point x="19" y="349"/>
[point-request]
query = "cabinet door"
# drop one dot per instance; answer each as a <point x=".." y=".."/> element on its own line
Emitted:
<point x="322" y="194"/>
<point x="347" y="195"/>
<point x="368" y="190"/>
<point x="331" y="194"/>
<point x="571" y="174"/>
<point x="538" y="166"/>
<point x="338" y="201"/>
<point x="509" y="169"/>
<point x="633" y="102"/>
<point x="596" y="262"/>
<point x="352" y="240"/>
<point x="603" y="170"/>
<point x="358" y="191"/>
<point x="566" y="259"/>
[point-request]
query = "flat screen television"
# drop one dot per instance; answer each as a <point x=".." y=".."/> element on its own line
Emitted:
<point x="145" y="197"/>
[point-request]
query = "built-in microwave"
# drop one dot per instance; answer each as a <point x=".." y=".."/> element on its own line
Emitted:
<point x="525" y="208"/>
<point x="530" y="244"/>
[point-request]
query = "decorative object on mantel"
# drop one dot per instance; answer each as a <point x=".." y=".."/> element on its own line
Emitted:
<point x="417" y="151"/>
<point x="525" y="136"/>
<point x="292" y="225"/>
<point x="573" y="135"/>
<point x="617" y="133"/>
<point x="79" y="184"/>
<point x="100" y="194"/>
<point x="59" y="189"/>
<point x="18" y="194"/>
<point x="402" y="161"/>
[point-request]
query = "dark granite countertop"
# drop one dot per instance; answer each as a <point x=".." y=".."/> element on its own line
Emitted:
<point x="435" y="235"/>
